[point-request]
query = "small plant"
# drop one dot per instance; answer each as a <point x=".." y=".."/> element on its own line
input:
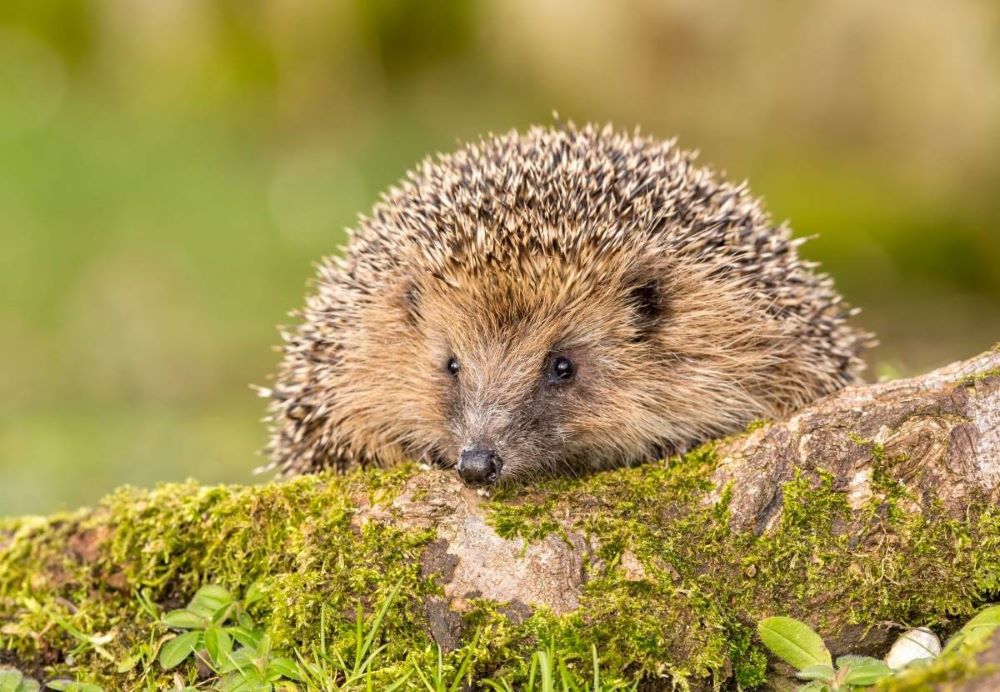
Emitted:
<point x="144" y="655"/>
<point x="12" y="680"/>
<point x="85" y="642"/>
<point x="208" y="624"/>
<point x="253" y="668"/>
<point x="975" y="631"/>
<point x="329" y="670"/>
<point x="216" y="627"/>
<point x="73" y="686"/>
<point x="550" y="672"/>
<point x="441" y="679"/>
<point x="795" y="643"/>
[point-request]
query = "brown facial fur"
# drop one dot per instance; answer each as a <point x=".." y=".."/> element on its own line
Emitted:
<point x="684" y="310"/>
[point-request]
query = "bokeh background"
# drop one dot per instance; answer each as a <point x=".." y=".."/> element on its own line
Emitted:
<point x="171" y="169"/>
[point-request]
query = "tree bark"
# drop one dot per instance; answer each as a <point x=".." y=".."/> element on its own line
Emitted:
<point x="942" y="431"/>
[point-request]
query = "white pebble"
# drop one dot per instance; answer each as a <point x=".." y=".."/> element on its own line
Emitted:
<point x="913" y="646"/>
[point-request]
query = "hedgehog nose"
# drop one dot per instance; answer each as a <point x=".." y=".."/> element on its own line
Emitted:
<point x="479" y="466"/>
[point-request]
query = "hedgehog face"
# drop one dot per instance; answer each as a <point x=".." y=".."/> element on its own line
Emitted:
<point x="525" y="368"/>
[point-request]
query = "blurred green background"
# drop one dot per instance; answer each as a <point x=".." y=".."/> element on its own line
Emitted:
<point x="171" y="169"/>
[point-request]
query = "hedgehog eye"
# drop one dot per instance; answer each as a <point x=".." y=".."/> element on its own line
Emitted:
<point x="561" y="369"/>
<point x="452" y="366"/>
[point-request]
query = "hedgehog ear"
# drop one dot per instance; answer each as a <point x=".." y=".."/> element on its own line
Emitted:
<point x="648" y="301"/>
<point x="409" y="300"/>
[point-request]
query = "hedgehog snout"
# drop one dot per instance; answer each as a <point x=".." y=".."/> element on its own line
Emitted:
<point x="479" y="466"/>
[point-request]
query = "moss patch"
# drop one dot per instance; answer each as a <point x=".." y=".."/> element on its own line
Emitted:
<point x="86" y="570"/>
<point x="705" y="586"/>
<point x="672" y="591"/>
<point x="971" y="380"/>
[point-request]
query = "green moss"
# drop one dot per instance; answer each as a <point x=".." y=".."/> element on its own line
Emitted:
<point x="687" y="615"/>
<point x="975" y="378"/>
<point x="883" y="482"/>
<point x="515" y="515"/>
<point x="757" y="424"/>
<point x="706" y="585"/>
<point x="297" y="538"/>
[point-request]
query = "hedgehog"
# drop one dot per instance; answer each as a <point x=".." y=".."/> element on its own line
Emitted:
<point x="550" y="303"/>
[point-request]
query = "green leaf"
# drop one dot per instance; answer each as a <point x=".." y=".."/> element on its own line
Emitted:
<point x="975" y="630"/>
<point x="246" y="636"/>
<point x="243" y="660"/>
<point x="213" y="592"/>
<point x="209" y="600"/>
<point x="264" y="646"/>
<point x="223" y="614"/>
<point x="853" y="660"/>
<point x="989" y="617"/>
<point x="212" y="643"/>
<point x="814" y="686"/>
<point x="173" y="653"/>
<point x="128" y="664"/>
<point x="816" y="672"/>
<point x="27" y="685"/>
<point x="251" y="682"/>
<point x="184" y="619"/>
<point x="567" y="679"/>
<point x="219" y="644"/>
<point x="10" y="680"/>
<point x="13" y="680"/>
<point x="458" y="680"/>
<point x="863" y="671"/>
<point x="793" y="642"/>
<point x="285" y="668"/>
<point x="254" y="593"/>
<point x="73" y="686"/>
<point x="399" y="681"/>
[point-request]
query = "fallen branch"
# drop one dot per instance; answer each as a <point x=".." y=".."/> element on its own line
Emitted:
<point x="870" y="511"/>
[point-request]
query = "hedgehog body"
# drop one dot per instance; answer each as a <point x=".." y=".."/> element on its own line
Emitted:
<point x="551" y="302"/>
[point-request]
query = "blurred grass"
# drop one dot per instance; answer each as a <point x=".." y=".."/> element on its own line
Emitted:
<point x="170" y="172"/>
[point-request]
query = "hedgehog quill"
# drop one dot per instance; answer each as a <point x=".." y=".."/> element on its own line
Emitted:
<point x="553" y="302"/>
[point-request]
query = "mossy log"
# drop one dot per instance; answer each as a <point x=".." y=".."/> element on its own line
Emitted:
<point x="873" y="510"/>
